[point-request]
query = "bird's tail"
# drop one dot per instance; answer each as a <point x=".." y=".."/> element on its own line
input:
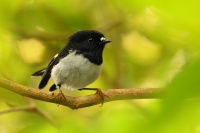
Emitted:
<point x="39" y="73"/>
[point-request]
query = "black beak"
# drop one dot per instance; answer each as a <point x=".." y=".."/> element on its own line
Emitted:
<point x="107" y="41"/>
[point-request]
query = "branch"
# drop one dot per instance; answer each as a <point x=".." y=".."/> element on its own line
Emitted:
<point x="83" y="101"/>
<point x="15" y="109"/>
<point x="31" y="107"/>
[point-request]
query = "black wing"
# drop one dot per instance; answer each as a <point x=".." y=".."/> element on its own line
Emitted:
<point x="54" y="61"/>
<point x="47" y="73"/>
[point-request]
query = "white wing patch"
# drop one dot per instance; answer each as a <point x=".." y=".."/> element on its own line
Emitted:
<point x="55" y="56"/>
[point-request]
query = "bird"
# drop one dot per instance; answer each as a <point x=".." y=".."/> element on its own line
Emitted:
<point x="78" y="64"/>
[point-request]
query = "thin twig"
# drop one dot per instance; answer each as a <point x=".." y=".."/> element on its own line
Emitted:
<point x="31" y="107"/>
<point x="15" y="109"/>
<point x="84" y="101"/>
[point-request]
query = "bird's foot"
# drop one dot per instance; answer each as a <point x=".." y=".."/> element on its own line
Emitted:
<point x="102" y="96"/>
<point x="99" y="92"/>
<point x="60" y="96"/>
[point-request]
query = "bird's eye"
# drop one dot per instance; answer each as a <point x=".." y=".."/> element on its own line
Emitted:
<point x="90" y="40"/>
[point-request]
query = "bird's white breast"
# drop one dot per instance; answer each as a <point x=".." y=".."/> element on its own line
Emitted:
<point x="75" y="71"/>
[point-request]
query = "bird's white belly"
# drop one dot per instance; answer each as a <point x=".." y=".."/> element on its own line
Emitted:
<point x="75" y="71"/>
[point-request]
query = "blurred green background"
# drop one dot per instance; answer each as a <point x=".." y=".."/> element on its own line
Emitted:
<point x="154" y="44"/>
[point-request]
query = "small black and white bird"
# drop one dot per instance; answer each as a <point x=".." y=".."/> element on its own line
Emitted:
<point x="78" y="64"/>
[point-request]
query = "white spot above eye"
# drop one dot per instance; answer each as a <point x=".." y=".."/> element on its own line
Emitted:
<point x="102" y="39"/>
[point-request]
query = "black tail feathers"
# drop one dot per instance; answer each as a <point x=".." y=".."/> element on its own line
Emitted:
<point x="45" y="77"/>
<point x="53" y="87"/>
<point x="39" y="73"/>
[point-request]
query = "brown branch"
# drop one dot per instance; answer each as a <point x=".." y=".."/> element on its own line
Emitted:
<point x="83" y="101"/>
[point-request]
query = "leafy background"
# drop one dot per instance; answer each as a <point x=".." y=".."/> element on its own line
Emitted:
<point x="154" y="44"/>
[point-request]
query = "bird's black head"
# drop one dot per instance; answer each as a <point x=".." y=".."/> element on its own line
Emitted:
<point x="87" y="40"/>
<point x="90" y="43"/>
